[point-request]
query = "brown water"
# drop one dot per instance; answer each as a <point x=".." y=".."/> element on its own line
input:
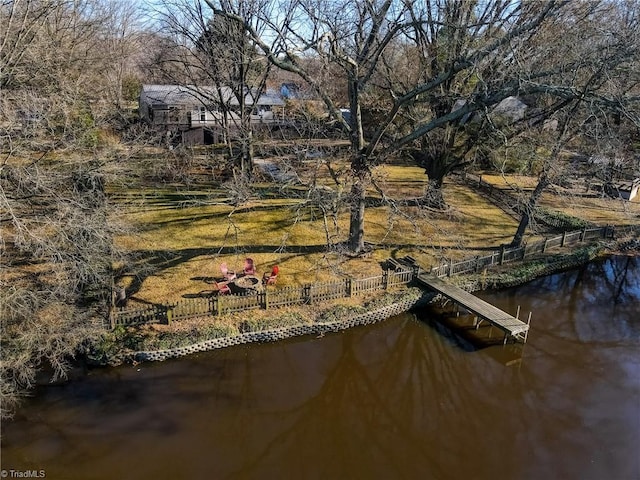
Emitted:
<point x="401" y="399"/>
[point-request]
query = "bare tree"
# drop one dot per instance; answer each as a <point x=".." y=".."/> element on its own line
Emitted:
<point x="213" y="50"/>
<point x="21" y="22"/>
<point x="600" y="49"/>
<point x="462" y="42"/>
<point x="58" y="261"/>
<point x="122" y="39"/>
<point x="57" y="250"/>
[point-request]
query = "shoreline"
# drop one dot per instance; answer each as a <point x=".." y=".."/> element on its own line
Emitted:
<point x="160" y="345"/>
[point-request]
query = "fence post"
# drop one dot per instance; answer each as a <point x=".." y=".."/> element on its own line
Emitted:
<point x="307" y="293"/>
<point x="564" y="237"/>
<point x="501" y="254"/>
<point x="450" y="272"/>
<point x="349" y="287"/>
<point x="219" y="305"/>
<point x="583" y="234"/>
<point x="169" y="314"/>
<point x="415" y="271"/>
<point x="480" y="181"/>
<point x="265" y="298"/>
<point x="385" y="279"/>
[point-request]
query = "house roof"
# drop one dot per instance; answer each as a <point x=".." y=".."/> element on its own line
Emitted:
<point x="193" y="95"/>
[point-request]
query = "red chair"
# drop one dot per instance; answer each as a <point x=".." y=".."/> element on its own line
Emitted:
<point x="249" y="267"/>
<point x="226" y="273"/>
<point x="270" y="279"/>
<point x="223" y="288"/>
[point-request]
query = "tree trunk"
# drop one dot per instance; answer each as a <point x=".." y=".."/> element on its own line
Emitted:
<point x="246" y="159"/>
<point x="433" y="196"/>
<point x="359" y="168"/>
<point x="527" y="213"/>
<point x="437" y="166"/>
<point x="361" y="177"/>
<point x="356" y="221"/>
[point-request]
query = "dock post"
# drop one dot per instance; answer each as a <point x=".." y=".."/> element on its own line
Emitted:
<point x="518" y="313"/>
<point x="526" y="334"/>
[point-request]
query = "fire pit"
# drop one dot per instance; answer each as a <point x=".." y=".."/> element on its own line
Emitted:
<point x="248" y="281"/>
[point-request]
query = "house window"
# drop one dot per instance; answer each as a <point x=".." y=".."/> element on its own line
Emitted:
<point x="203" y="114"/>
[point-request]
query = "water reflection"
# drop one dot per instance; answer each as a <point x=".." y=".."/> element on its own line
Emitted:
<point x="395" y="400"/>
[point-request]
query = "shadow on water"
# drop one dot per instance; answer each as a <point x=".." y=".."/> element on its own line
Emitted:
<point x="405" y="398"/>
<point x="461" y="332"/>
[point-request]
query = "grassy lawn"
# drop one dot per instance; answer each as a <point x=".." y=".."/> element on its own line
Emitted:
<point x="598" y="210"/>
<point x="574" y="200"/>
<point x="187" y="233"/>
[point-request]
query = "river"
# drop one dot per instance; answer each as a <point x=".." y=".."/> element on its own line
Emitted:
<point x="402" y="399"/>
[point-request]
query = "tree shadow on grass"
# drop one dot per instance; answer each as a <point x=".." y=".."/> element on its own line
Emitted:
<point x="201" y="294"/>
<point x="152" y="262"/>
<point x="207" y="279"/>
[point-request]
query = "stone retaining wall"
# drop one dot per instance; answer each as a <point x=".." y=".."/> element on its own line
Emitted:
<point x="367" y="318"/>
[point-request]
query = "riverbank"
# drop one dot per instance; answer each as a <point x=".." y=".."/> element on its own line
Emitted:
<point x="255" y="411"/>
<point x="161" y="342"/>
<point x="513" y="275"/>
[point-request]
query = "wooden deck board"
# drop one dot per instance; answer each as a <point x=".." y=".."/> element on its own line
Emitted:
<point x="505" y="322"/>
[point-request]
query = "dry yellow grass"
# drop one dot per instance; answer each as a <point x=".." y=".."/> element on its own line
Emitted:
<point x="598" y="210"/>
<point x="197" y="239"/>
<point x="188" y="234"/>
<point x="512" y="181"/>
<point x="574" y="202"/>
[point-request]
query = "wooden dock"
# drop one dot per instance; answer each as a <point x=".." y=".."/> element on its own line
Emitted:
<point x="510" y="325"/>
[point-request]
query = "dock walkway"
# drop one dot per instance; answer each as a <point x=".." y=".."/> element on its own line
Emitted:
<point x="510" y="325"/>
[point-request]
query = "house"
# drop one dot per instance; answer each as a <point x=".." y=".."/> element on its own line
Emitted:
<point x="194" y="115"/>
<point x="626" y="190"/>
<point x="511" y="109"/>
<point x="290" y="91"/>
